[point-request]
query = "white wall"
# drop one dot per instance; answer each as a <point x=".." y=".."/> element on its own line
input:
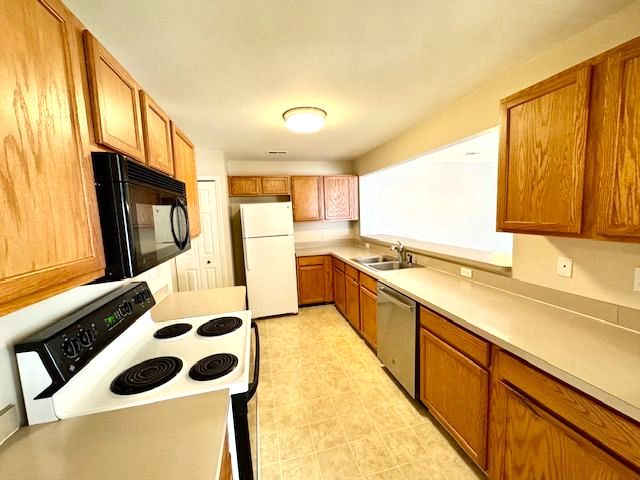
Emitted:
<point x="603" y="270"/>
<point x="212" y="163"/>
<point x="22" y="323"/>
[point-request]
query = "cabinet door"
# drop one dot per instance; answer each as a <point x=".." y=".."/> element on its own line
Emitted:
<point x="456" y="391"/>
<point x="368" y="312"/>
<point x="245" y="186"/>
<point x="353" y="302"/>
<point x="156" y="129"/>
<point x="307" y="199"/>
<point x="275" y="185"/>
<point x="534" y="444"/>
<point x="311" y="284"/>
<point x="328" y="281"/>
<point x="621" y="216"/>
<point x="49" y="220"/>
<point x="341" y="197"/>
<point x="115" y="102"/>
<point x="184" y="163"/>
<point x="543" y="133"/>
<point x="339" y="290"/>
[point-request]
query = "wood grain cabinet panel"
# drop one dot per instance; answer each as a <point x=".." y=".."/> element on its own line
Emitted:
<point x="543" y="135"/>
<point x="225" y="467"/>
<point x="307" y="198"/>
<point x="115" y="101"/>
<point x="156" y="130"/>
<point x="275" y="185"/>
<point x="456" y="391"/>
<point x="621" y="213"/>
<point x="184" y="163"/>
<point x="339" y="289"/>
<point x="353" y="302"/>
<point x="49" y="221"/>
<point x="368" y="314"/>
<point x="534" y="444"/>
<point x="340" y="197"/>
<point x="245" y="186"/>
<point x="311" y="284"/>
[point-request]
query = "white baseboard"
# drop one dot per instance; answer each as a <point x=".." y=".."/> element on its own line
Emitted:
<point x="9" y="422"/>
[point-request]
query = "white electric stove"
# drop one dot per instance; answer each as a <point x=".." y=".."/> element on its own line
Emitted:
<point x="111" y="355"/>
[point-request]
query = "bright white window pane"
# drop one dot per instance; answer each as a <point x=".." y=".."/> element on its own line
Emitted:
<point x="446" y="197"/>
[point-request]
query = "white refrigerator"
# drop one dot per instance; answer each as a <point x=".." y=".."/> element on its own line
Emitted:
<point x="269" y="258"/>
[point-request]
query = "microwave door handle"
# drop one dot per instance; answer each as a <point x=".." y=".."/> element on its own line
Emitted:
<point x="185" y="240"/>
<point x="173" y="231"/>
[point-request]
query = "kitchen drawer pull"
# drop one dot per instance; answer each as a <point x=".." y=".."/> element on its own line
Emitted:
<point x="394" y="300"/>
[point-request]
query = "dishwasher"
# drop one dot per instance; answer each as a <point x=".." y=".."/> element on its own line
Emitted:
<point x="397" y="329"/>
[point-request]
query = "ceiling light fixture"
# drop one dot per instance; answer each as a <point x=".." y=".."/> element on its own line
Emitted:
<point x="304" y="119"/>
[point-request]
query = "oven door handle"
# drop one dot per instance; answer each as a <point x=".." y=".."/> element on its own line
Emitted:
<point x="253" y="386"/>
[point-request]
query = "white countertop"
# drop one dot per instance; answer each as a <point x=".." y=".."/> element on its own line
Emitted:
<point x="601" y="359"/>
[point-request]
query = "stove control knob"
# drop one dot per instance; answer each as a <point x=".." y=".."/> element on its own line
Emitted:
<point x="86" y="337"/>
<point x="70" y="348"/>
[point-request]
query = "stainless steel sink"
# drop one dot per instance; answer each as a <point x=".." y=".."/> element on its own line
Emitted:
<point x="393" y="265"/>
<point x="378" y="259"/>
<point x="384" y="262"/>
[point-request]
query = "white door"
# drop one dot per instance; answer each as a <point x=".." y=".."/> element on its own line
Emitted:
<point x="201" y="267"/>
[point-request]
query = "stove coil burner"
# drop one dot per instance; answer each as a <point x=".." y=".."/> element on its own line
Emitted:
<point x="146" y="375"/>
<point x="213" y="366"/>
<point x="172" y="331"/>
<point x="219" y="326"/>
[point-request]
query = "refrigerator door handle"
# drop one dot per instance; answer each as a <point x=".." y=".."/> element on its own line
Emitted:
<point x="247" y="264"/>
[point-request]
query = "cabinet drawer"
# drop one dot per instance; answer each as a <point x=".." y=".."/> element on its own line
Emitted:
<point x="472" y="346"/>
<point x="615" y="432"/>
<point x="368" y="282"/>
<point x="352" y="272"/>
<point x="339" y="264"/>
<point x="314" y="260"/>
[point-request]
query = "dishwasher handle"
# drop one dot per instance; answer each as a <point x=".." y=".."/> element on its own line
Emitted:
<point x="383" y="292"/>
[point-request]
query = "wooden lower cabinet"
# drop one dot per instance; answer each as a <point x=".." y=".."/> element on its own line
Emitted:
<point x="339" y="289"/>
<point x="315" y="280"/>
<point x="543" y="429"/>
<point x="456" y="391"/>
<point x="225" y="468"/>
<point x="368" y="313"/>
<point x="353" y="302"/>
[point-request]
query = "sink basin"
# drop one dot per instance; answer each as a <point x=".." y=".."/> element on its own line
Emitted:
<point x="379" y="259"/>
<point x="392" y="265"/>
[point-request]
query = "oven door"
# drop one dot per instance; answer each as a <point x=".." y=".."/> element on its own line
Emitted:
<point x="245" y="418"/>
<point x="158" y="226"/>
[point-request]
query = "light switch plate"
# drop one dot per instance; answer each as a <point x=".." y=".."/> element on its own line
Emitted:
<point x="466" y="272"/>
<point x="565" y="267"/>
<point x="636" y="279"/>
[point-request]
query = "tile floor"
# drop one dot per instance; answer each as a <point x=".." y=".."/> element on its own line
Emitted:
<point x="329" y="411"/>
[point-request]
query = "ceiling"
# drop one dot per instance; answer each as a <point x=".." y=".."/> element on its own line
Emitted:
<point x="226" y="70"/>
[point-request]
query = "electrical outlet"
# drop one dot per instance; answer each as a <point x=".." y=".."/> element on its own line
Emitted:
<point x="636" y="279"/>
<point x="466" y="272"/>
<point x="366" y="245"/>
<point x="324" y="231"/>
<point x="565" y="267"/>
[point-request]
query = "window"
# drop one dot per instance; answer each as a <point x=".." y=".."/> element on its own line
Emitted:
<point x="446" y="197"/>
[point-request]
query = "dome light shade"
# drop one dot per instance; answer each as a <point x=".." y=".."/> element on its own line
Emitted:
<point x="304" y="119"/>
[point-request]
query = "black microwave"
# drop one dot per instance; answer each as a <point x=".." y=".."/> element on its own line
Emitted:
<point x="143" y="215"/>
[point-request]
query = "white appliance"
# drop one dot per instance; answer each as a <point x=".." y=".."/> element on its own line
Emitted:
<point x="111" y="355"/>
<point x="269" y="258"/>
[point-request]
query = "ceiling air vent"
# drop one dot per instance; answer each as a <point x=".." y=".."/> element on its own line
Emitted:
<point x="277" y="152"/>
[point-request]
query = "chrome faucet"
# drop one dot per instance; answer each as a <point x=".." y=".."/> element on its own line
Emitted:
<point x="399" y="249"/>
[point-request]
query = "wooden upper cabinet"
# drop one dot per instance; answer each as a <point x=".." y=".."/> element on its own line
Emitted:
<point x="245" y="186"/>
<point x="156" y="131"/>
<point x="543" y="136"/>
<point x="307" y="198"/>
<point x="49" y="221"/>
<point x="620" y="215"/>
<point x="115" y="101"/>
<point x="341" y="197"/>
<point x="275" y="185"/>
<point x="184" y="163"/>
